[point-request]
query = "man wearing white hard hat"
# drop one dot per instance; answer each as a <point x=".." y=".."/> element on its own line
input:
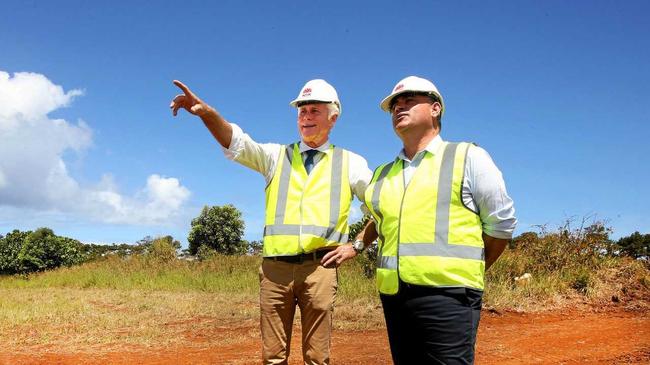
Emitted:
<point x="309" y="188"/>
<point x="443" y="216"/>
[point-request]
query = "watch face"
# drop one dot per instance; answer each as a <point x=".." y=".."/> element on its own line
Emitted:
<point x="358" y="245"/>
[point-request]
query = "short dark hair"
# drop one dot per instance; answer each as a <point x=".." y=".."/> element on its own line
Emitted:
<point x="433" y="97"/>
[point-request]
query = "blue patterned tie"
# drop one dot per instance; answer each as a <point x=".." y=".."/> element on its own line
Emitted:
<point x="309" y="161"/>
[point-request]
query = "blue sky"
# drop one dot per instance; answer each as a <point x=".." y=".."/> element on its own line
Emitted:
<point x="556" y="91"/>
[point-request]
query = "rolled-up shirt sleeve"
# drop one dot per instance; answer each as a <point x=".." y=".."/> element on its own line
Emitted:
<point x="488" y="193"/>
<point x="261" y="157"/>
<point x="360" y="176"/>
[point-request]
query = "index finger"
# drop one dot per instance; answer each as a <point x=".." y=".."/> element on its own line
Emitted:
<point x="182" y="86"/>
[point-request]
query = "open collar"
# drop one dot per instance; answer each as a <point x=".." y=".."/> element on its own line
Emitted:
<point x="325" y="147"/>
<point x="432" y="147"/>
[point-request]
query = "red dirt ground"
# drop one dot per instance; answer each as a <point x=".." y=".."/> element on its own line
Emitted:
<point x="579" y="337"/>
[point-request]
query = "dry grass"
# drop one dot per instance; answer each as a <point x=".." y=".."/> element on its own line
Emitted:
<point x="121" y="302"/>
<point x="160" y="301"/>
<point x="73" y="319"/>
<point x="607" y="281"/>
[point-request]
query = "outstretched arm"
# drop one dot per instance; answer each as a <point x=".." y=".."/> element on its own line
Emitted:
<point x="219" y="127"/>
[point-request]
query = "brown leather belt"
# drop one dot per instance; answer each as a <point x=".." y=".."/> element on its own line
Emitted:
<point x="300" y="258"/>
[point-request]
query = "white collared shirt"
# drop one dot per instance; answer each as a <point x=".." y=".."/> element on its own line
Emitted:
<point x="263" y="158"/>
<point x="484" y="190"/>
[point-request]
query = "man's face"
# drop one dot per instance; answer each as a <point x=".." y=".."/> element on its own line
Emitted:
<point x="413" y="112"/>
<point x="313" y="124"/>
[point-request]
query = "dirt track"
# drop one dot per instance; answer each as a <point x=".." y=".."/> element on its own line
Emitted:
<point x="612" y="337"/>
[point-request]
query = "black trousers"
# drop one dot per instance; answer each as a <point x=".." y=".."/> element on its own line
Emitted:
<point x="432" y="325"/>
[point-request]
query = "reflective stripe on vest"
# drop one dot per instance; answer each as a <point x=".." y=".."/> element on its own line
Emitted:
<point x="296" y="201"/>
<point x="442" y="245"/>
<point x="375" y="207"/>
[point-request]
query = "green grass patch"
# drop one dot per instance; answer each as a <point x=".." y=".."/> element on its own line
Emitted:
<point x="564" y="267"/>
<point x="154" y="299"/>
<point x="140" y="300"/>
<point x="219" y="274"/>
<point x="222" y="274"/>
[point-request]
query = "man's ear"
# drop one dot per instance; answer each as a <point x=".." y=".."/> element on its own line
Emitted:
<point x="436" y="108"/>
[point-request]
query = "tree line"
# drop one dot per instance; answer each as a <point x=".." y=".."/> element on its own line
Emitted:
<point x="216" y="230"/>
<point x="220" y="230"/>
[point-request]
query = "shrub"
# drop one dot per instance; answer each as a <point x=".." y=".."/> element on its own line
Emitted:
<point x="24" y="252"/>
<point x="163" y="249"/>
<point x="565" y="249"/>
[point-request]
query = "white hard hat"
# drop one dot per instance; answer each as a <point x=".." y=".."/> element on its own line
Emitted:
<point x="413" y="84"/>
<point x="317" y="91"/>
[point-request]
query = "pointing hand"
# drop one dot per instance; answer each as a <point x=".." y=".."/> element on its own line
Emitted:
<point x="188" y="101"/>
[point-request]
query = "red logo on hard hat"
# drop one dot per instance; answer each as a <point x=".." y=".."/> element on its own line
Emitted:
<point x="306" y="92"/>
<point x="399" y="87"/>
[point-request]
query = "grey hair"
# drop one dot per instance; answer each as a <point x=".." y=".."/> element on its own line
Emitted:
<point x="333" y="109"/>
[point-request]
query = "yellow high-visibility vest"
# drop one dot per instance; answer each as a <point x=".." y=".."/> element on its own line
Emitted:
<point x="427" y="236"/>
<point x="305" y="212"/>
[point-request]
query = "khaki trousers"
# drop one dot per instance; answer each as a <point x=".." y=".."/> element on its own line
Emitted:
<point x="283" y="286"/>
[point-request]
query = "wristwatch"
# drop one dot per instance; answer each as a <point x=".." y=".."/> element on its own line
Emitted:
<point x="359" y="246"/>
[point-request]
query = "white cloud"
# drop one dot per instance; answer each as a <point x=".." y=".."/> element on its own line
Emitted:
<point x="161" y="199"/>
<point x="31" y="95"/>
<point x="165" y="193"/>
<point x="33" y="173"/>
